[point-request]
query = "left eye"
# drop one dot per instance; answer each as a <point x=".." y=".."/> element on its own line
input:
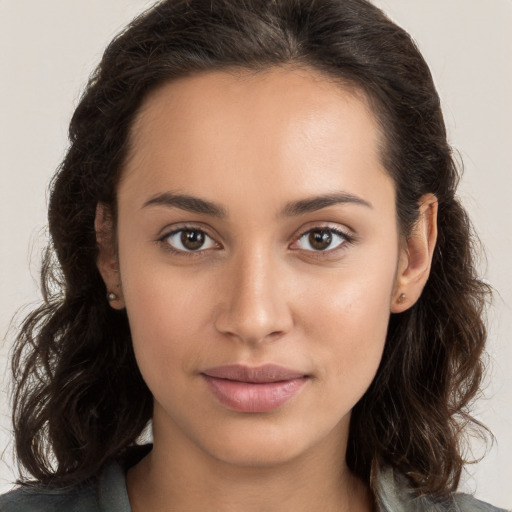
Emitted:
<point x="322" y="239"/>
<point x="189" y="240"/>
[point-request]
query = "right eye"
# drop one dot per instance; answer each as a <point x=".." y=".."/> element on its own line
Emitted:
<point x="189" y="240"/>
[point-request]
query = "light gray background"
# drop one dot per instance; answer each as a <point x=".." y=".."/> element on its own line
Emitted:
<point x="48" y="49"/>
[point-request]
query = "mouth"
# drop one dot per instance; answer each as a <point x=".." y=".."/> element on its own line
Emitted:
<point x="260" y="389"/>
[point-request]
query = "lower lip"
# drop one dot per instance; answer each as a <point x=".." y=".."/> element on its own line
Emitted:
<point x="253" y="397"/>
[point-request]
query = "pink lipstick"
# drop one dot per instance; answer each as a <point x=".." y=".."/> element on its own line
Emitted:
<point x="248" y="389"/>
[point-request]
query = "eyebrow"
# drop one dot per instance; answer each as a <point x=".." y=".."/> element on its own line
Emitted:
<point x="295" y="208"/>
<point x="318" y="202"/>
<point x="187" y="203"/>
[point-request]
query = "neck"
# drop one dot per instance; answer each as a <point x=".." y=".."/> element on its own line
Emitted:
<point x="179" y="477"/>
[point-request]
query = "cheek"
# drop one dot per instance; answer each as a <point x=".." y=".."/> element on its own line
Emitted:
<point x="348" y="324"/>
<point x="350" y="302"/>
<point x="165" y="314"/>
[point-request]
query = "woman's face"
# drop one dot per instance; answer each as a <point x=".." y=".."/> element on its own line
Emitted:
<point x="256" y="226"/>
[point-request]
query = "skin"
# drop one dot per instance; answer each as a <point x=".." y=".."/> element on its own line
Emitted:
<point x="257" y="292"/>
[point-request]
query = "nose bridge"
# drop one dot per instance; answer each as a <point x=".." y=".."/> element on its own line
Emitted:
<point x="254" y="306"/>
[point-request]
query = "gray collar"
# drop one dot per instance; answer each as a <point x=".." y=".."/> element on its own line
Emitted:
<point x="395" y="494"/>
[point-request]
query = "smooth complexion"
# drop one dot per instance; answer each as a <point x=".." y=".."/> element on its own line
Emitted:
<point x="257" y="226"/>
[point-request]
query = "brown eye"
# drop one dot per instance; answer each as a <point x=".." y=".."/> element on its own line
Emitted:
<point x="189" y="240"/>
<point x="322" y="239"/>
<point x="192" y="240"/>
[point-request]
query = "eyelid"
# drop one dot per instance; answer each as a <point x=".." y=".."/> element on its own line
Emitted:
<point x="168" y="232"/>
<point x="184" y="226"/>
<point x="346" y="234"/>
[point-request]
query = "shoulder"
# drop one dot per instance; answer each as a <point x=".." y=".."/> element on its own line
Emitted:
<point x="466" y="502"/>
<point x="107" y="493"/>
<point x="394" y="494"/>
<point x="37" y="499"/>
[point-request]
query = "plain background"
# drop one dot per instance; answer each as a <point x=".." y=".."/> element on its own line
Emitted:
<point x="48" y="49"/>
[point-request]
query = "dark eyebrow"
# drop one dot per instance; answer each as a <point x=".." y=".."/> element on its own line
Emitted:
<point x="197" y="205"/>
<point x="319" y="202"/>
<point x="188" y="203"/>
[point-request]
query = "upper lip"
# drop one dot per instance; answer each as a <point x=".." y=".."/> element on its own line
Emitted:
<point x="259" y="374"/>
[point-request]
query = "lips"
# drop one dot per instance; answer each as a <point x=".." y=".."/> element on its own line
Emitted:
<point x="248" y="389"/>
<point x="261" y="374"/>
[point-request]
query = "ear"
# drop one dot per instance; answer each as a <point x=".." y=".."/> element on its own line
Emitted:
<point x="416" y="256"/>
<point x="107" y="261"/>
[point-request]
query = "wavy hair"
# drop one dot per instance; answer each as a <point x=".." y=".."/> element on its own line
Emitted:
<point x="79" y="399"/>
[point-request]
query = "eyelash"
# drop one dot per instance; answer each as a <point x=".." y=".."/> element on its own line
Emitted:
<point x="347" y="240"/>
<point x="192" y="254"/>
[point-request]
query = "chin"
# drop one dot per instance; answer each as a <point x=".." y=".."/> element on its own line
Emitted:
<point x="253" y="443"/>
<point x="255" y="453"/>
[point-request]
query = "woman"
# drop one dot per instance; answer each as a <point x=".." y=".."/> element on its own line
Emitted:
<point x="261" y="252"/>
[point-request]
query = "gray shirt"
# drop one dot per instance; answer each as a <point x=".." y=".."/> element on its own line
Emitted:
<point x="109" y="494"/>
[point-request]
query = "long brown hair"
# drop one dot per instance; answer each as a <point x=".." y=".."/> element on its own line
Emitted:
<point x="80" y="400"/>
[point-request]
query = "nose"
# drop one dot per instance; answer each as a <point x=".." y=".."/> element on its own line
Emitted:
<point x="253" y="303"/>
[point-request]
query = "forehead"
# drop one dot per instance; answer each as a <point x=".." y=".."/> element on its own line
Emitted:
<point x="295" y="127"/>
<point x="300" y="94"/>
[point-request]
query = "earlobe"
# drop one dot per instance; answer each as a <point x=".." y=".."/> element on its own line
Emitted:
<point x="107" y="261"/>
<point x="416" y="256"/>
